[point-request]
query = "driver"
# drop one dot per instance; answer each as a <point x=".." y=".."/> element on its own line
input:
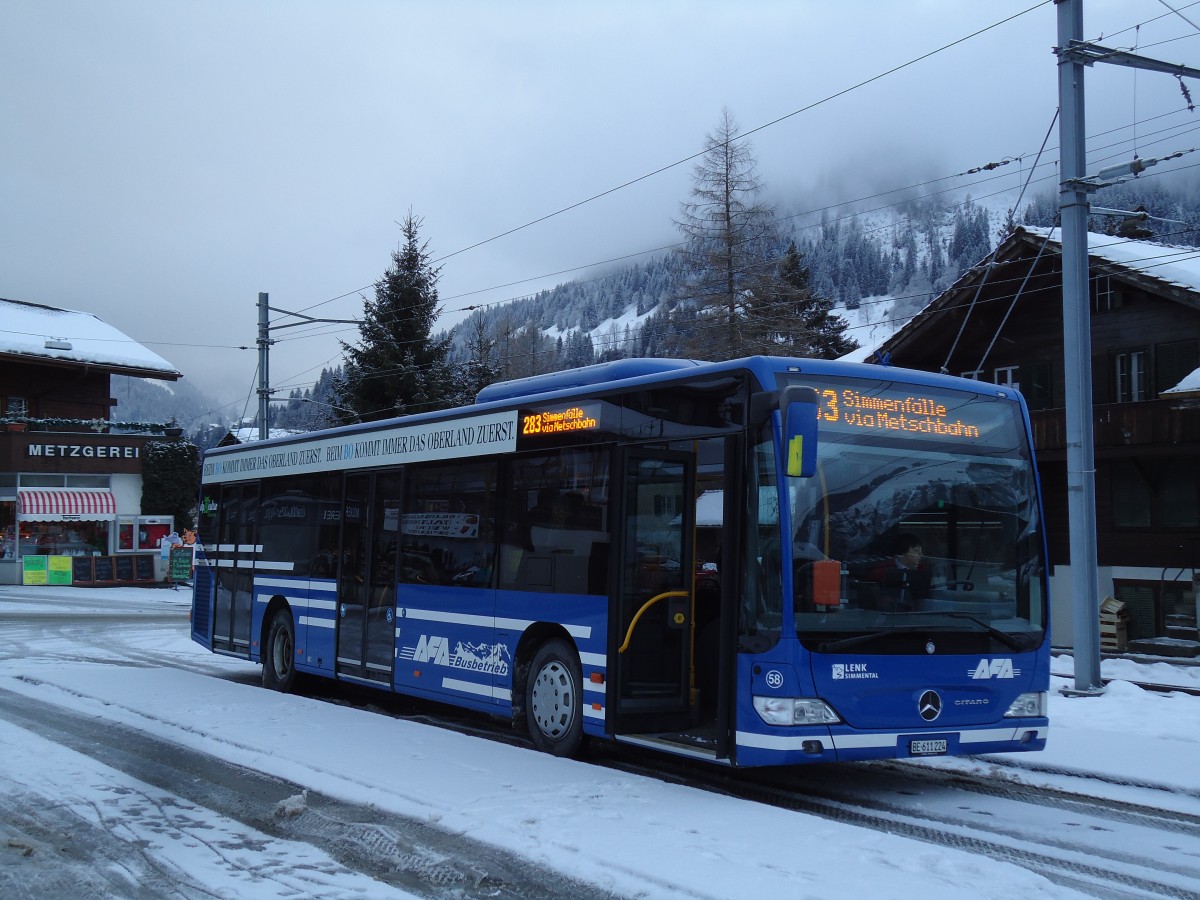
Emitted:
<point x="904" y="577"/>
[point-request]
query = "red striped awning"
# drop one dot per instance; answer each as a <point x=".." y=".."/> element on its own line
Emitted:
<point x="66" y="504"/>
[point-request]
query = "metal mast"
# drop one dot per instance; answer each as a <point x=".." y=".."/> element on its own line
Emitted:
<point x="1073" y="55"/>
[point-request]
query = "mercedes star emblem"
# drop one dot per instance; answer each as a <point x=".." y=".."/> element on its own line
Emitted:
<point x="929" y="706"/>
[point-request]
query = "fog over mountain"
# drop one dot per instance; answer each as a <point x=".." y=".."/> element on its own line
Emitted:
<point x="881" y="260"/>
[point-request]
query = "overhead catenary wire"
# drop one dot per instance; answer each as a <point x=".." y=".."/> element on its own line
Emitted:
<point x="797" y="215"/>
<point x="317" y="333"/>
<point x="992" y="255"/>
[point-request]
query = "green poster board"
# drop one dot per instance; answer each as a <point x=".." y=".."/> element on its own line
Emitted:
<point x="180" y="567"/>
<point x="33" y="570"/>
<point x="60" y="570"/>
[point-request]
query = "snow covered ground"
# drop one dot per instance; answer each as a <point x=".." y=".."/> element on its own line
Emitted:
<point x="624" y="834"/>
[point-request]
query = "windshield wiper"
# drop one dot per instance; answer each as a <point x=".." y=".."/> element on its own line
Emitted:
<point x="1013" y="642"/>
<point x="856" y="639"/>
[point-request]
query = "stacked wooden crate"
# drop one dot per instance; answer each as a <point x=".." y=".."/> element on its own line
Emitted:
<point x="1114" y="626"/>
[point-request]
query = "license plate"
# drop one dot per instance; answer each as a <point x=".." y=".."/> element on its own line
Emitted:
<point x="926" y="748"/>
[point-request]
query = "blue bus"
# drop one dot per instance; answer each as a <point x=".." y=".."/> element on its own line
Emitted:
<point x="756" y="562"/>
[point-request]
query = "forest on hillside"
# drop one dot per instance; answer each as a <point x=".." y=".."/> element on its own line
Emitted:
<point x="906" y="255"/>
<point x="903" y="256"/>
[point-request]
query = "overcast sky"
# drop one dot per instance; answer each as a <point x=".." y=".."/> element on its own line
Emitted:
<point x="163" y="161"/>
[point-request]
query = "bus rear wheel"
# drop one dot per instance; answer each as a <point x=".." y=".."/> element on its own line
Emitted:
<point x="553" y="699"/>
<point x="279" y="666"/>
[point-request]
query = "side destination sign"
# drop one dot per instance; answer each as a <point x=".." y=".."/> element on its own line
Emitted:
<point x="448" y="439"/>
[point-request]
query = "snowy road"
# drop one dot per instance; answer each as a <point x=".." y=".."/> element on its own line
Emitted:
<point x="136" y="765"/>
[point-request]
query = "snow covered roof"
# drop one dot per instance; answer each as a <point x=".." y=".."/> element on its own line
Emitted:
<point x="1165" y="263"/>
<point x="1168" y="271"/>
<point x="244" y="434"/>
<point x="46" y="333"/>
<point x="1190" y="386"/>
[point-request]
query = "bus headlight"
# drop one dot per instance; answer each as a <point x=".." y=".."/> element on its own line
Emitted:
<point x="795" y="711"/>
<point x="1028" y="705"/>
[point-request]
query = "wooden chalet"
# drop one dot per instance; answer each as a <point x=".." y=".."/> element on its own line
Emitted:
<point x="1002" y="322"/>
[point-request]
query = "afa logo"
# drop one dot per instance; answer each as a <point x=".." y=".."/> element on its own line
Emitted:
<point x="436" y="649"/>
<point x="994" y="668"/>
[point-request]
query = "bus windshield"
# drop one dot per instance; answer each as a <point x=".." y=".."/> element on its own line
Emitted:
<point x="920" y="528"/>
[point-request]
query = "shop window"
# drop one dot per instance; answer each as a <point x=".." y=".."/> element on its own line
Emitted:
<point x="89" y="481"/>
<point x="65" y="538"/>
<point x="1129" y="371"/>
<point x="43" y="481"/>
<point x="150" y="535"/>
<point x="8" y="529"/>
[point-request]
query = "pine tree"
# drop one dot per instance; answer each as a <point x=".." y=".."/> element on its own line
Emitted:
<point x="397" y="367"/>
<point x="729" y="240"/>
<point x="481" y="366"/>
<point x="785" y="317"/>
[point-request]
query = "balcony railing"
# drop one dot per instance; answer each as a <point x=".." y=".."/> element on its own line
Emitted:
<point x="1153" y="422"/>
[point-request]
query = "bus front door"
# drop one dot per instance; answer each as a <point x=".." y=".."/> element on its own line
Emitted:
<point x="652" y="613"/>
<point x="367" y="577"/>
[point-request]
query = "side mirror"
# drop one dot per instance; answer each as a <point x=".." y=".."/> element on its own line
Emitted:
<point x="799" y="407"/>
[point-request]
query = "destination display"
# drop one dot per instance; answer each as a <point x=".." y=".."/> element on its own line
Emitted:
<point x="907" y="411"/>
<point x="560" y="420"/>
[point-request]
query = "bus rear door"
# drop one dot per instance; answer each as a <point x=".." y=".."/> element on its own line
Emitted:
<point x="367" y="577"/>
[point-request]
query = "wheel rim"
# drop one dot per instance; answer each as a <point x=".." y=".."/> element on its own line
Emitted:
<point x="281" y="653"/>
<point x="553" y="700"/>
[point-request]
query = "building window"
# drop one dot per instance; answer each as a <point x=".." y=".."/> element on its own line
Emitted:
<point x="1177" y="502"/>
<point x="1165" y="495"/>
<point x="1132" y="496"/>
<point x="1174" y="361"/>
<point x="1008" y="377"/>
<point x="16" y="407"/>
<point x="1039" y="389"/>
<point x="1129" y="367"/>
<point x="974" y="374"/>
<point x="1105" y="297"/>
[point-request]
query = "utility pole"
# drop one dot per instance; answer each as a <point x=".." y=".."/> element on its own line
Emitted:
<point x="264" y="353"/>
<point x="264" y="360"/>
<point x="1073" y="55"/>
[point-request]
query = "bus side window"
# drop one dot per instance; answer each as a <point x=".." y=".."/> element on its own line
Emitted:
<point x="555" y="532"/>
<point x="448" y="523"/>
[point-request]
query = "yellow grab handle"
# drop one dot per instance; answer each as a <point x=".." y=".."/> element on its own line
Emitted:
<point x="645" y="606"/>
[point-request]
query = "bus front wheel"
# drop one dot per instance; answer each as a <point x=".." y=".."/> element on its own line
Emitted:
<point x="279" y="666"/>
<point x="553" y="699"/>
